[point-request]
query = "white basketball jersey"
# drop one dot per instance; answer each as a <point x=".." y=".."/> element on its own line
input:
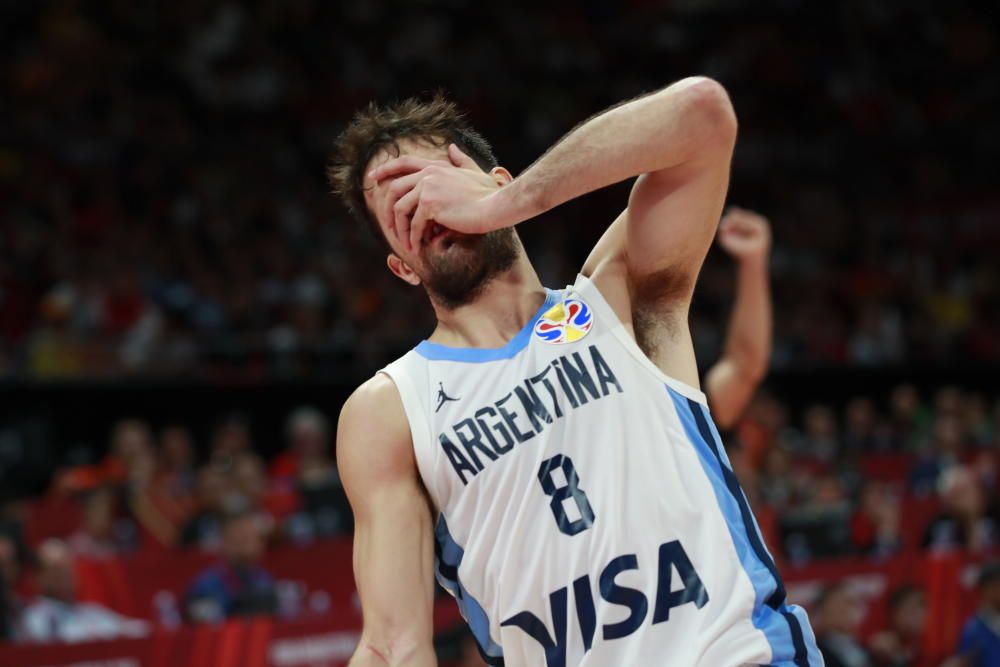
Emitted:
<point x="588" y="514"/>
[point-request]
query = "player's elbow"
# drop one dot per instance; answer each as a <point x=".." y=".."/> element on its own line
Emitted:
<point x="709" y="103"/>
<point x="752" y="369"/>
<point x="390" y="652"/>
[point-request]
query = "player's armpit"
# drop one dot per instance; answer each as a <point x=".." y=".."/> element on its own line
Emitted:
<point x="393" y="536"/>
<point x="675" y="204"/>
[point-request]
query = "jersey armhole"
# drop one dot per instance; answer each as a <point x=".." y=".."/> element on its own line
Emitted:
<point x="420" y="431"/>
<point x="592" y="295"/>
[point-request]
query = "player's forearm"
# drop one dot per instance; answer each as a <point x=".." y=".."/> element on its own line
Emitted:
<point x="648" y="134"/>
<point x="748" y="340"/>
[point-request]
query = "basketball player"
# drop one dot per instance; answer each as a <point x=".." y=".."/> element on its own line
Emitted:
<point x="547" y="454"/>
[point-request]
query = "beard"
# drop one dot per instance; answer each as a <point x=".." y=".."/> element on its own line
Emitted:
<point x="457" y="275"/>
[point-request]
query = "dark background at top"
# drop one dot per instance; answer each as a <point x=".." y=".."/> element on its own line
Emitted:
<point x="164" y="211"/>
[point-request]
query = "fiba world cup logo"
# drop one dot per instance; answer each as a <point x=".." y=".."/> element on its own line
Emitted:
<point x="565" y="322"/>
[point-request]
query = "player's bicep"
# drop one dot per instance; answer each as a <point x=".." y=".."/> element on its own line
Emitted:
<point x="393" y="538"/>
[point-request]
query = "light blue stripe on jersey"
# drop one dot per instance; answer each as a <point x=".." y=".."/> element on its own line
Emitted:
<point x="447" y="559"/>
<point x="808" y="638"/>
<point x="803" y="636"/>
<point x="435" y="352"/>
<point x="784" y="626"/>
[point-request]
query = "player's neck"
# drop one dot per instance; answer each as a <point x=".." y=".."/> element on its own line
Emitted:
<point x="505" y="306"/>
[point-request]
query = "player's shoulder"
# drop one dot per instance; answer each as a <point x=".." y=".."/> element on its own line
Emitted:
<point x="376" y="398"/>
<point x="376" y="388"/>
<point x="373" y="424"/>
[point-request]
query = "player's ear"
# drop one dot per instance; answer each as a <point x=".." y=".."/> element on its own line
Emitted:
<point x="401" y="269"/>
<point x="501" y="175"/>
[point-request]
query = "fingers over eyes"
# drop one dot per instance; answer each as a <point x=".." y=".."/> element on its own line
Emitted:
<point x="421" y="217"/>
<point x="403" y="210"/>
<point x="397" y="189"/>
<point x="407" y="164"/>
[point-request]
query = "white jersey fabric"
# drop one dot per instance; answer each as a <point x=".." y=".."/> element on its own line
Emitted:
<point x="588" y="514"/>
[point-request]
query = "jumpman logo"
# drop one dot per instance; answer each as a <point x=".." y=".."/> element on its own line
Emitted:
<point x="442" y="397"/>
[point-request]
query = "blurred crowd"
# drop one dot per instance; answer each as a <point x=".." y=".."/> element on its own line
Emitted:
<point x="837" y="611"/>
<point x="151" y="492"/>
<point x="164" y="210"/>
<point x="877" y="477"/>
<point x="881" y="478"/>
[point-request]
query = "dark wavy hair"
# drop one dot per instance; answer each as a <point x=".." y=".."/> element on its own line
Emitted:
<point x="376" y="128"/>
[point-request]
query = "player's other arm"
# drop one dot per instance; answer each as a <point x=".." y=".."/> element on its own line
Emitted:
<point x="732" y="381"/>
<point x="393" y="538"/>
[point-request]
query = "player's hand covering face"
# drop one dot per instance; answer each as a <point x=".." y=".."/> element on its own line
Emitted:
<point x="453" y="263"/>
<point x="427" y="198"/>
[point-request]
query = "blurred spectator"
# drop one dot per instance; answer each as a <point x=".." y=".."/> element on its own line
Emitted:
<point x="102" y="535"/>
<point x="237" y="586"/>
<point x="175" y="470"/>
<point x="965" y="520"/>
<point x="945" y="450"/>
<point x="156" y="526"/>
<point x="167" y="499"/>
<point x="836" y="615"/>
<point x="976" y="422"/>
<point x="230" y="438"/>
<point x="821" y="439"/>
<point x="777" y="483"/>
<point x="57" y="616"/>
<point x="249" y="481"/>
<point x="863" y="432"/>
<point x="875" y="526"/>
<point x="204" y="528"/>
<point x="899" y="644"/>
<point x="131" y="445"/>
<point x="307" y="467"/>
<point x="308" y="434"/>
<point x="230" y="483"/>
<point x="11" y="606"/>
<point x="980" y="642"/>
<point x="948" y="402"/>
<point x="907" y="420"/>
<point x="819" y="523"/>
<point x="250" y="493"/>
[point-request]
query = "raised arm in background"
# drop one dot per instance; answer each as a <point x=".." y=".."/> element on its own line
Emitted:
<point x="732" y="381"/>
<point x="393" y="534"/>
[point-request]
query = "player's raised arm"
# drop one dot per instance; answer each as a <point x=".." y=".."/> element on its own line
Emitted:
<point x="678" y="140"/>
<point x="393" y="537"/>
<point x="731" y="382"/>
